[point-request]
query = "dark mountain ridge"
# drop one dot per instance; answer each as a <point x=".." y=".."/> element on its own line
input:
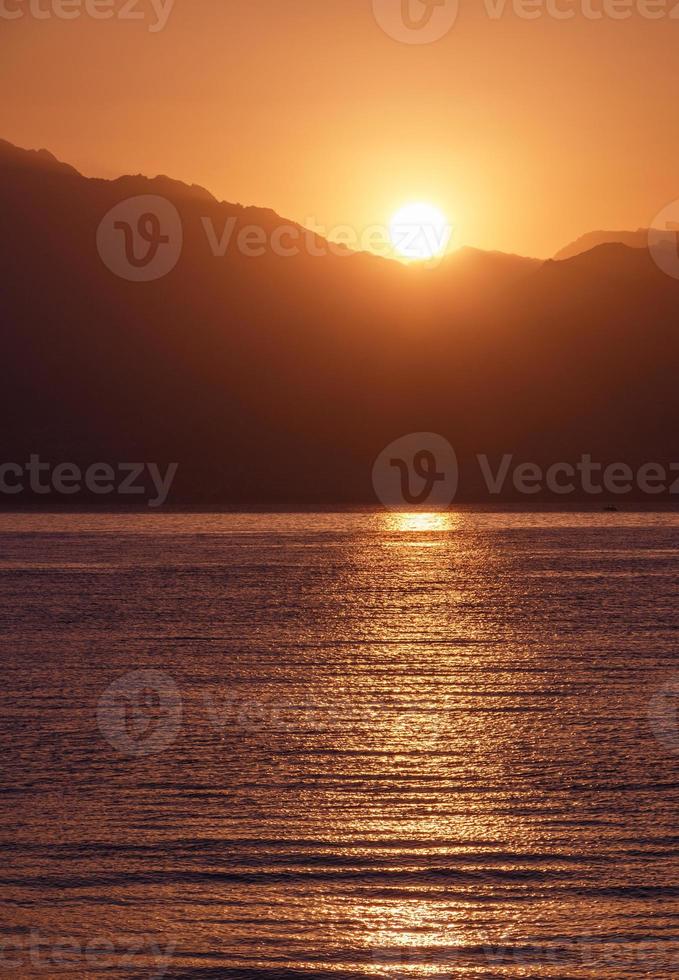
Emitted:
<point x="277" y="379"/>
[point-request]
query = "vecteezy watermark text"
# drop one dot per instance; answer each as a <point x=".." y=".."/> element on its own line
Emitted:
<point x="141" y="713"/>
<point x="619" y="954"/>
<point x="141" y="239"/>
<point x="157" y="12"/>
<point x="38" y="477"/>
<point x="427" y="21"/>
<point x="588" y="9"/>
<point x="143" y="956"/>
<point x="421" y="470"/>
<point x="285" y="240"/>
<point x="586" y="476"/>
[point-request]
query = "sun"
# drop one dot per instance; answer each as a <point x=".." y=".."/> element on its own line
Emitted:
<point x="419" y="231"/>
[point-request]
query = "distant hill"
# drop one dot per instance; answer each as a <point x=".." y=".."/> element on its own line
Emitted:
<point x="633" y="239"/>
<point x="276" y="380"/>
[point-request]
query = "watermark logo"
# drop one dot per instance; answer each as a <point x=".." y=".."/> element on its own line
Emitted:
<point x="416" y="471"/>
<point x="140" y="713"/>
<point x="421" y="471"/>
<point x="416" y="21"/>
<point x="663" y="714"/>
<point x="663" y="240"/>
<point x="141" y="238"/>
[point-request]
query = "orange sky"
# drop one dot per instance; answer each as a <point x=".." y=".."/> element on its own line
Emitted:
<point x="526" y="132"/>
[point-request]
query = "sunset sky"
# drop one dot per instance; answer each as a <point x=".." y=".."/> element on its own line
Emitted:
<point x="526" y="133"/>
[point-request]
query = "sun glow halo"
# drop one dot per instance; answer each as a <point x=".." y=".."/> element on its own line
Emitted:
<point x="419" y="231"/>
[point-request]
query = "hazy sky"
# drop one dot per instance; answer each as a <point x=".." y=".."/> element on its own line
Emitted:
<point x="526" y="133"/>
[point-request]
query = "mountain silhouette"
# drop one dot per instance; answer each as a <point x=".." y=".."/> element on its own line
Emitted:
<point x="634" y="239"/>
<point x="276" y="380"/>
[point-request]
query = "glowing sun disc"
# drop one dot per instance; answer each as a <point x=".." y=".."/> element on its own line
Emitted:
<point x="419" y="231"/>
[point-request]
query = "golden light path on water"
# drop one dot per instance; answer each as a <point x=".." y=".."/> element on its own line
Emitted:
<point x="404" y="750"/>
<point x="421" y="521"/>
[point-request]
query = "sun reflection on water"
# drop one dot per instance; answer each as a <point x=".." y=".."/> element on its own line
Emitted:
<point x="421" y="521"/>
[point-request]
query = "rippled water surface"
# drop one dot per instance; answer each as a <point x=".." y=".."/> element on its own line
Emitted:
<point x="340" y="745"/>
